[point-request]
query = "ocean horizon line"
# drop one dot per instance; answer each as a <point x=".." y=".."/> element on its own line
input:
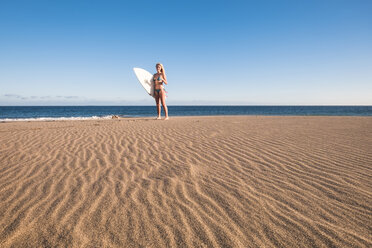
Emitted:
<point x="206" y="105"/>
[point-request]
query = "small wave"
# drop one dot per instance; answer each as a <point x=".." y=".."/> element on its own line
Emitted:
<point x="77" y="118"/>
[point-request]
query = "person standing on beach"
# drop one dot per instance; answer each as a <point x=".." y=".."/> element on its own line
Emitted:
<point x="159" y="79"/>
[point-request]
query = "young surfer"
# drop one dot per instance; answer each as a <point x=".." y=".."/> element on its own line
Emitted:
<point x="159" y="79"/>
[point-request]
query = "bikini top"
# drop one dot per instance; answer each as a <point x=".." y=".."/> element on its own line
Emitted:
<point x="159" y="79"/>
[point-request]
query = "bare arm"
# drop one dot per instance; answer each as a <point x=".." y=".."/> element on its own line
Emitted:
<point x="164" y="78"/>
<point x="155" y="78"/>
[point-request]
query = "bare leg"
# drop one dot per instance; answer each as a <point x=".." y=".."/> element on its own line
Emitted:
<point x="162" y="97"/>
<point x="157" y="98"/>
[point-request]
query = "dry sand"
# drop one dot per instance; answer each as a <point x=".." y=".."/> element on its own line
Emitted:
<point x="188" y="182"/>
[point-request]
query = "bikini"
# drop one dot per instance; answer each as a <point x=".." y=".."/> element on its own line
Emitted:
<point x="158" y="90"/>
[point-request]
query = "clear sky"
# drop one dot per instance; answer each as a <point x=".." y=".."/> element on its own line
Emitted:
<point x="215" y="52"/>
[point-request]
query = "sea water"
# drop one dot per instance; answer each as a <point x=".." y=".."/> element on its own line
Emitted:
<point x="30" y="113"/>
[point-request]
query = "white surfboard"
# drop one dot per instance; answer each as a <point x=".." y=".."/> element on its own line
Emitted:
<point x="146" y="80"/>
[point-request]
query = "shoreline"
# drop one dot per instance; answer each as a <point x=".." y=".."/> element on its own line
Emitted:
<point x="113" y="117"/>
<point x="37" y="113"/>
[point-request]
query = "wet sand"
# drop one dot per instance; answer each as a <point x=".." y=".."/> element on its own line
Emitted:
<point x="247" y="181"/>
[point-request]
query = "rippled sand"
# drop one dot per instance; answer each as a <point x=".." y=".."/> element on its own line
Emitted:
<point x="187" y="182"/>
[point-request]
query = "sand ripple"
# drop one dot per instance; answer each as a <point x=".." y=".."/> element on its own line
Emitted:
<point x="188" y="182"/>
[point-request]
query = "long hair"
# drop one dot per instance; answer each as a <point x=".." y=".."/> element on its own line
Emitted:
<point x="162" y="70"/>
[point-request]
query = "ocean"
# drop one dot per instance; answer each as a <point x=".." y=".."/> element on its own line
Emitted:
<point x="34" y="113"/>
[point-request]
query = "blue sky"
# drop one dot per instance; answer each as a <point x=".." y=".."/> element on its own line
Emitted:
<point x="214" y="52"/>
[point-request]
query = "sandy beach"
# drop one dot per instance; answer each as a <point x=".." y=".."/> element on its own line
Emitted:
<point x="243" y="181"/>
